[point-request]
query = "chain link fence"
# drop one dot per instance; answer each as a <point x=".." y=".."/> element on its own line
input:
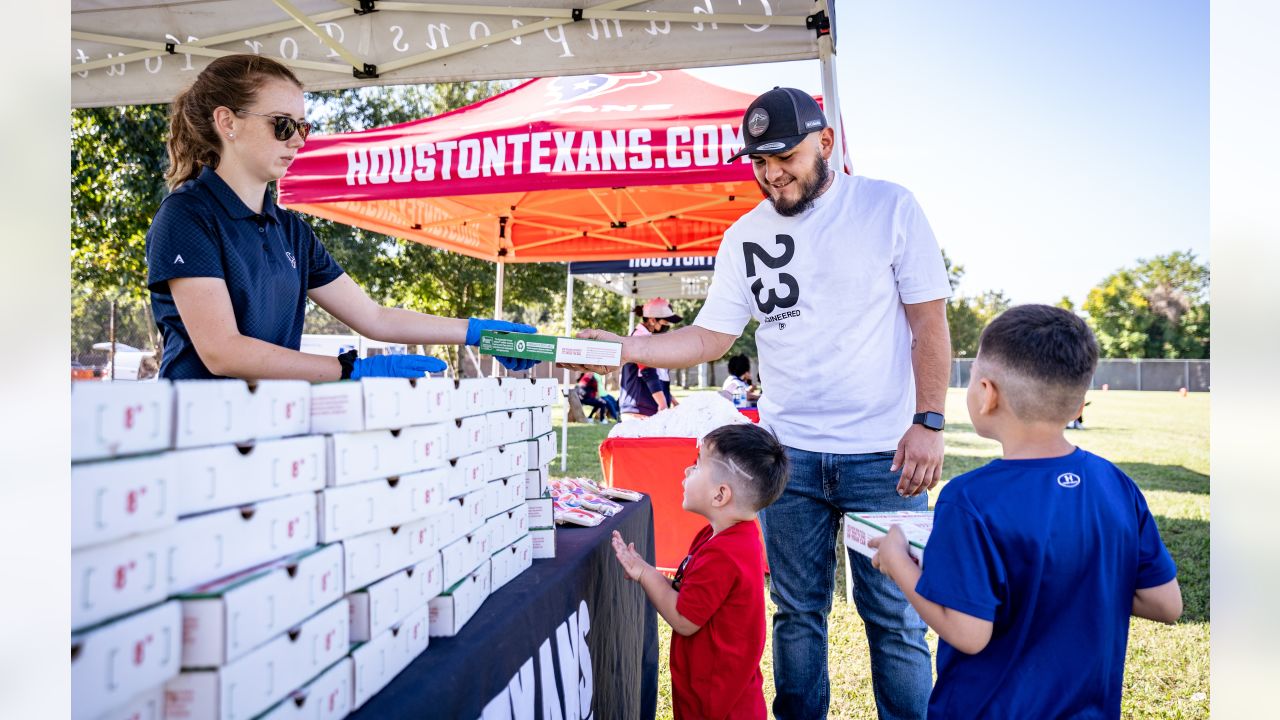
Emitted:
<point x="1168" y="375"/>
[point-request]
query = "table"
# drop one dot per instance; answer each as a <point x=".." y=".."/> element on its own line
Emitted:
<point x="516" y="648"/>
<point x="655" y="466"/>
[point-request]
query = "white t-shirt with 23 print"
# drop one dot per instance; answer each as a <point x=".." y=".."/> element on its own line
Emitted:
<point x="828" y="288"/>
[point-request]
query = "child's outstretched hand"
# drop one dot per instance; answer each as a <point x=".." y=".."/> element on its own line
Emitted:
<point x="890" y="550"/>
<point x="627" y="555"/>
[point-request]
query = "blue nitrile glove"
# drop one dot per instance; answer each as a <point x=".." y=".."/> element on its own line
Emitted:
<point x="404" y="366"/>
<point x="475" y="326"/>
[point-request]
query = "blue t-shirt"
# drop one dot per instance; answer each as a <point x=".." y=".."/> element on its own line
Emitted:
<point x="269" y="261"/>
<point x="1051" y="551"/>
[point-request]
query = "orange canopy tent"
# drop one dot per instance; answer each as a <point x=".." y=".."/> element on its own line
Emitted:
<point x="594" y="167"/>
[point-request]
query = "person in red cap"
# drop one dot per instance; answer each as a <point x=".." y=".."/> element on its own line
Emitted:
<point x="847" y="282"/>
<point x="646" y="390"/>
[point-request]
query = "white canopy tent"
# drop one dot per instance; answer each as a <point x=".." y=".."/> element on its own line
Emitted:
<point x="126" y="52"/>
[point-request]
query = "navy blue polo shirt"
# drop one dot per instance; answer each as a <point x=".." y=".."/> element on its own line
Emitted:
<point x="269" y="261"/>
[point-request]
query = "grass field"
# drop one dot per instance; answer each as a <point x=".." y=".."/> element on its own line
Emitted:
<point x="1162" y="441"/>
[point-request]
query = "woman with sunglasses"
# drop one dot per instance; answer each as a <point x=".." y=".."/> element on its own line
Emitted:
<point x="230" y="272"/>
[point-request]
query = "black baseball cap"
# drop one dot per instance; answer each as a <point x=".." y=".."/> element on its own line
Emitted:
<point x="778" y="120"/>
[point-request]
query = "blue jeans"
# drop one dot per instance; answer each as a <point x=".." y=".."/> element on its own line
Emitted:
<point x="801" y="530"/>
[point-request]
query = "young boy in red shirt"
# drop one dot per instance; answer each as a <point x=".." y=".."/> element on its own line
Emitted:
<point x="715" y="604"/>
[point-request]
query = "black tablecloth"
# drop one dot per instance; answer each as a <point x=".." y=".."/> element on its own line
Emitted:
<point x="513" y="658"/>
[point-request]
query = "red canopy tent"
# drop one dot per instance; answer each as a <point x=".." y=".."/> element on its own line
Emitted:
<point x="594" y="167"/>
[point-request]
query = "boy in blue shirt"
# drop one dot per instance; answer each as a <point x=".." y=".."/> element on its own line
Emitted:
<point x="1036" y="560"/>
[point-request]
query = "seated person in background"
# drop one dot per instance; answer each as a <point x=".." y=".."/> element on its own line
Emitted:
<point x="715" y="605"/>
<point x="588" y="392"/>
<point x="738" y="385"/>
<point x="1036" y="560"/>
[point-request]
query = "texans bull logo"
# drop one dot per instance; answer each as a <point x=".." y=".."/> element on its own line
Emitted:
<point x="587" y="87"/>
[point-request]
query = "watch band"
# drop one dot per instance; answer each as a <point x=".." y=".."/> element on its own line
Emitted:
<point x="931" y="420"/>
<point x="348" y="362"/>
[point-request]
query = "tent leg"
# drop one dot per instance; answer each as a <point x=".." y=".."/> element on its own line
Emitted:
<point x="568" y="332"/>
<point x="497" y="307"/>
<point x="831" y="98"/>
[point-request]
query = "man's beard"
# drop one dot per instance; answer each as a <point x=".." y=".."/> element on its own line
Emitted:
<point x="809" y="190"/>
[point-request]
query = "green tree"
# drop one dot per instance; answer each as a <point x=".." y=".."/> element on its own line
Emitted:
<point x="1158" y="308"/>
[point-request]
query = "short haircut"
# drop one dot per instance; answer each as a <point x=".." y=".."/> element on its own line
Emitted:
<point x="1044" y="358"/>
<point x="739" y="364"/>
<point x="757" y="453"/>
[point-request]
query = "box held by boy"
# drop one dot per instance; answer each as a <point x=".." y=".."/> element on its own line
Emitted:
<point x="224" y="620"/>
<point x="266" y="675"/>
<point x="328" y="697"/>
<point x="377" y="608"/>
<point x="860" y="528"/>
<point x="212" y="546"/>
<point x="223" y="476"/>
<point x="114" y="499"/>
<point x="113" y="663"/>
<point x="116" y="419"/>
<point x="111" y="580"/>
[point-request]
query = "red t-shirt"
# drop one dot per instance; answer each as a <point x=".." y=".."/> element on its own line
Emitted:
<point x="715" y="673"/>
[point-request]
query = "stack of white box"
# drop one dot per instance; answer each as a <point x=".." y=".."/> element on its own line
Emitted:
<point x="283" y="548"/>
<point x="542" y="450"/>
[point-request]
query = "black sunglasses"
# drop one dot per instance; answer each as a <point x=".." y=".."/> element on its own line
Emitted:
<point x="285" y="125"/>
<point x="679" y="578"/>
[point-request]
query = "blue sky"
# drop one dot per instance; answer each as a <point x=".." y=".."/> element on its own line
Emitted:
<point x="1050" y="143"/>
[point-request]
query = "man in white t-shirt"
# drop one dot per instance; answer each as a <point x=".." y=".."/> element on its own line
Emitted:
<point x="850" y="289"/>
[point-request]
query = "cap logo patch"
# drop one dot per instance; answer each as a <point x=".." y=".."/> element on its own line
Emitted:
<point x="758" y="122"/>
<point x="812" y="123"/>
<point x="770" y="146"/>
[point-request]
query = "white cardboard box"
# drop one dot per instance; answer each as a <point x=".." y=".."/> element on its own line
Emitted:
<point x="113" y="419"/>
<point x="543" y="542"/>
<point x="440" y="395"/>
<point x="373" y="404"/>
<point x="541" y="420"/>
<point x="450" y="611"/>
<point x="377" y="608"/>
<point x="476" y="396"/>
<point x="471" y="436"/>
<point x="356" y="509"/>
<point x="112" y="664"/>
<point x="510" y="525"/>
<point x="212" y="546"/>
<point x="429" y="444"/>
<point x="359" y="456"/>
<point x="461" y="557"/>
<point x="508" y="562"/>
<point x="114" y="499"/>
<point x="506" y="493"/>
<point x="470" y="472"/>
<point x="540" y="451"/>
<point x="212" y="412"/>
<point x="370" y="557"/>
<point x="280" y="408"/>
<point x="146" y="705"/>
<point x="223" y="476"/>
<point x="521" y="425"/>
<point x="328" y="697"/>
<point x="511" y="460"/>
<point x="255" y="682"/>
<point x="546" y="391"/>
<point x="860" y="528"/>
<point x="223" y="621"/>
<point x="535" y="484"/>
<point x="468" y="513"/>
<point x="119" y="577"/>
<point x="541" y="513"/>
<point x="514" y="393"/>
<point x="377" y="662"/>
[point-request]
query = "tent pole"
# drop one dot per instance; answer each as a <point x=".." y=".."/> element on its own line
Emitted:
<point x="497" y="305"/>
<point x="831" y="98"/>
<point x="568" y="332"/>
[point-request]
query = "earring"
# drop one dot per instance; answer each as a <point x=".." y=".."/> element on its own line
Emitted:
<point x="231" y="135"/>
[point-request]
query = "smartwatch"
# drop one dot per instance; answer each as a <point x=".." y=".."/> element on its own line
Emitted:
<point x="931" y="420"/>
<point x="348" y="362"/>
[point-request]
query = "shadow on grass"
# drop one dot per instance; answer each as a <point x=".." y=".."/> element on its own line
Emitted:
<point x="1188" y="543"/>
<point x="1175" y="478"/>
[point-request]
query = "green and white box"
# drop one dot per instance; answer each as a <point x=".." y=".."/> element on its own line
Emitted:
<point x="551" y="349"/>
<point x="860" y="528"/>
